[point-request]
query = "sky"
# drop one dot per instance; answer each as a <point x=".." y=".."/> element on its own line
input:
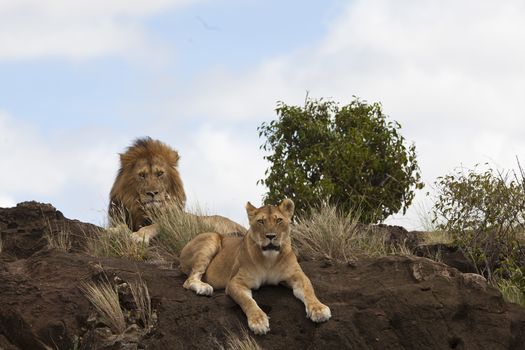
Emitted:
<point x="80" y="80"/>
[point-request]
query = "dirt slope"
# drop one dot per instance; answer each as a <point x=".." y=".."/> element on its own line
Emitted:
<point x="389" y="303"/>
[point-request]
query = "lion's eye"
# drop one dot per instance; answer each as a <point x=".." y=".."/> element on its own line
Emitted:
<point x="160" y="173"/>
<point x="260" y="221"/>
<point x="279" y="220"/>
<point x="142" y="175"/>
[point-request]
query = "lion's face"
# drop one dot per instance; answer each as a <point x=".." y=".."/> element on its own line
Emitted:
<point x="152" y="182"/>
<point x="270" y="225"/>
<point x="147" y="179"/>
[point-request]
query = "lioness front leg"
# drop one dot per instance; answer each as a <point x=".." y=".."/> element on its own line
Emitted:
<point x="195" y="258"/>
<point x="257" y="320"/>
<point x="304" y="291"/>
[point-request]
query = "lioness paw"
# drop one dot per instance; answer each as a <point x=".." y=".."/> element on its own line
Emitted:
<point x="318" y="312"/>
<point x="199" y="287"/>
<point x="204" y="289"/>
<point x="259" y="323"/>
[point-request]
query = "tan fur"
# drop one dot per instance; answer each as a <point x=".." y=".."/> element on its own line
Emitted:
<point x="243" y="263"/>
<point x="147" y="178"/>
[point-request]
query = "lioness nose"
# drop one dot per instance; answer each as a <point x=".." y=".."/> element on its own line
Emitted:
<point x="152" y="193"/>
<point x="270" y="236"/>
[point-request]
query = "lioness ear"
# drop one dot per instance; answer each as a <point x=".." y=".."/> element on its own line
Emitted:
<point x="287" y="207"/>
<point x="250" y="209"/>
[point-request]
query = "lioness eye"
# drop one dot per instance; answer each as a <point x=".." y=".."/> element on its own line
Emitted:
<point x="260" y="221"/>
<point x="142" y="175"/>
<point x="160" y="173"/>
<point x="279" y="220"/>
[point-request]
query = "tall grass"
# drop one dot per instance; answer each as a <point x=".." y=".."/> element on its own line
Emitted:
<point x="174" y="228"/>
<point x="117" y="241"/>
<point x="437" y="237"/>
<point x="141" y="297"/>
<point x="58" y="237"/>
<point x="177" y="227"/>
<point x="511" y="291"/>
<point x="104" y="297"/>
<point x="328" y="233"/>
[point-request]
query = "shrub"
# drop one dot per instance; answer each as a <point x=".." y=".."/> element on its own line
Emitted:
<point x="484" y="211"/>
<point x="351" y="154"/>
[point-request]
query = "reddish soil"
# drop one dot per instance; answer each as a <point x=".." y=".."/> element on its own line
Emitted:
<point x="388" y="303"/>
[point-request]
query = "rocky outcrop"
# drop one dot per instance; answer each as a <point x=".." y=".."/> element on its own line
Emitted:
<point x="395" y="302"/>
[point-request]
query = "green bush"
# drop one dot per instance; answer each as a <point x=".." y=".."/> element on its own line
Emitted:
<point x="484" y="211"/>
<point x="351" y="155"/>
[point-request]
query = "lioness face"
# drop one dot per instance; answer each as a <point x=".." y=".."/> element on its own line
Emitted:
<point x="152" y="182"/>
<point x="270" y="225"/>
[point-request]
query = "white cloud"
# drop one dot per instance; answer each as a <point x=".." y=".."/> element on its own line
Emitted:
<point x="23" y="159"/>
<point x="451" y="72"/>
<point x="72" y="172"/>
<point x="220" y="169"/>
<point x="7" y="202"/>
<point x="80" y="29"/>
<point x="75" y="171"/>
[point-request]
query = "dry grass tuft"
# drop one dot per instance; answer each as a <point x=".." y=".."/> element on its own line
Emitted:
<point x="117" y="241"/>
<point x="437" y="237"/>
<point x="59" y="237"/>
<point x="104" y="297"/>
<point x="177" y="227"/>
<point x="142" y="300"/>
<point x="244" y="341"/>
<point x="327" y="233"/>
<point x="511" y="292"/>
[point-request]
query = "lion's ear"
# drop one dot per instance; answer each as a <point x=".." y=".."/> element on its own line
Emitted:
<point x="287" y="207"/>
<point x="250" y="209"/>
<point x="125" y="159"/>
<point x="174" y="159"/>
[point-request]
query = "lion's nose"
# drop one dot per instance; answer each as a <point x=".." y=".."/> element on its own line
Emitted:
<point x="270" y="236"/>
<point x="152" y="193"/>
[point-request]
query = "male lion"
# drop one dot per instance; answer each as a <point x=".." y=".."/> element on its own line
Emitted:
<point x="148" y="179"/>
<point x="263" y="256"/>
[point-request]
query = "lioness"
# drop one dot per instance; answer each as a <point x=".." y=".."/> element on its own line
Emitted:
<point x="263" y="256"/>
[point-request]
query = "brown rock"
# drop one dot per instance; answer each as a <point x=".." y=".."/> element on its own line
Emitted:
<point x="394" y="302"/>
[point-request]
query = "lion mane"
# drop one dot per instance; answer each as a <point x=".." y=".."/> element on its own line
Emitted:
<point x="148" y="177"/>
